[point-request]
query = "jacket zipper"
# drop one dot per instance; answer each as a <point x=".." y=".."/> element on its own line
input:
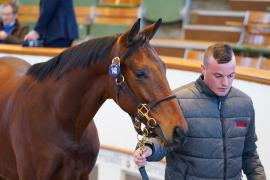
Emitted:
<point x="223" y="138"/>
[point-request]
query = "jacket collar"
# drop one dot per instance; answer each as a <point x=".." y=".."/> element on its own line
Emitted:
<point x="16" y="25"/>
<point x="203" y="88"/>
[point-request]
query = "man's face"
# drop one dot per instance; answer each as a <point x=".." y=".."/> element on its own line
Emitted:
<point x="7" y="15"/>
<point x="219" y="77"/>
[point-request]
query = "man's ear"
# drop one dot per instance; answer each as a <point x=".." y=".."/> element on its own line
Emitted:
<point x="203" y="69"/>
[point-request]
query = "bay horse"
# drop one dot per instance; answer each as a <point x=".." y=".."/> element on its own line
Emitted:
<point x="46" y="110"/>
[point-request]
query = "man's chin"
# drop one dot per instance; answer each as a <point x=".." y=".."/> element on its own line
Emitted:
<point x="222" y="93"/>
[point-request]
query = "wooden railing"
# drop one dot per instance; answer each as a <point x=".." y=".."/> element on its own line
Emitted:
<point x="30" y="14"/>
<point x="16" y="49"/>
<point x="4" y="1"/>
<point x="103" y="14"/>
<point x="243" y="73"/>
<point x="244" y="5"/>
<point x="83" y="14"/>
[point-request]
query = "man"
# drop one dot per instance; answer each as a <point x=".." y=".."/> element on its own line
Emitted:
<point x="220" y="142"/>
<point x="16" y="2"/>
<point x="56" y="25"/>
<point x="11" y="31"/>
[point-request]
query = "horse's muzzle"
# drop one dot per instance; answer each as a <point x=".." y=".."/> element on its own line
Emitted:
<point x="179" y="136"/>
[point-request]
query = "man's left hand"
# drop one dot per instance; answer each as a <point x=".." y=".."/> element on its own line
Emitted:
<point x="3" y="35"/>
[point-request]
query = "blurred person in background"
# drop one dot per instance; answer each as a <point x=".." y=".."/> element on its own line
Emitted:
<point x="16" y="2"/>
<point x="56" y="25"/>
<point x="11" y="31"/>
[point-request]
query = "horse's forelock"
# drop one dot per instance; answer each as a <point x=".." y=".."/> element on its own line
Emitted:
<point x="134" y="45"/>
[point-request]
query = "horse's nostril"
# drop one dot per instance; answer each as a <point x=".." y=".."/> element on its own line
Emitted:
<point x="178" y="135"/>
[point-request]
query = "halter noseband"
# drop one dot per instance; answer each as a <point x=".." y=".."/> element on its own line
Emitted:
<point x="143" y="109"/>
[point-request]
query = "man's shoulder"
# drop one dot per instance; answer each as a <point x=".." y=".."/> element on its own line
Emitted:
<point x="186" y="90"/>
<point x="235" y="92"/>
<point x="237" y="99"/>
<point x="236" y="95"/>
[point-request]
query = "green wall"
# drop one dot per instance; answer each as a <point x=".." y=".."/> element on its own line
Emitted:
<point x="84" y="2"/>
<point x="29" y="2"/>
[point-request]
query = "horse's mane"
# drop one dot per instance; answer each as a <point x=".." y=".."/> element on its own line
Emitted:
<point x="82" y="55"/>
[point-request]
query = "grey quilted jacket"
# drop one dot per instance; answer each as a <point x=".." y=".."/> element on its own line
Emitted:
<point x="221" y="137"/>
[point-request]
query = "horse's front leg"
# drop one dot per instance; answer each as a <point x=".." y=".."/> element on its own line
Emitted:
<point x="67" y="172"/>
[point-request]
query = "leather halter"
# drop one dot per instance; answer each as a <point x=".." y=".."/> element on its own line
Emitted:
<point x="143" y="109"/>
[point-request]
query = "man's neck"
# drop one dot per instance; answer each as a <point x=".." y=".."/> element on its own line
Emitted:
<point x="10" y="24"/>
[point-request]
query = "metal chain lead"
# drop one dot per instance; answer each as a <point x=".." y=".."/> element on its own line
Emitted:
<point x="141" y="145"/>
<point x="143" y="140"/>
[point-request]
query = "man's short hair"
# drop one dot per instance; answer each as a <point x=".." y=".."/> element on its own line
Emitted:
<point x="223" y="53"/>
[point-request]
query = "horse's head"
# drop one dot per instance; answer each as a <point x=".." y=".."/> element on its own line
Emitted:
<point x="140" y="86"/>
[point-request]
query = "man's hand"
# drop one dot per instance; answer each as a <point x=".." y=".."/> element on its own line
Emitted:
<point x="3" y="35"/>
<point x="140" y="157"/>
<point x="32" y="35"/>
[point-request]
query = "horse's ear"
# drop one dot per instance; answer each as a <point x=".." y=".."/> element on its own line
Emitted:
<point x="128" y="36"/>
<point x="134" y="30"/>
<point x="151" y="30"/>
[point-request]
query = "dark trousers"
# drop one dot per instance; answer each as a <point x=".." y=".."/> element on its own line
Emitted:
<point x="59" y="43"/>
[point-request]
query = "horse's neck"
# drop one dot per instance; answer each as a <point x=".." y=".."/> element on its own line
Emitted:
<point x="80" y="95"/>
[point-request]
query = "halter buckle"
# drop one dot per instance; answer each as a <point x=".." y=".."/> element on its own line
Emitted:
<point x="143" y="110"/>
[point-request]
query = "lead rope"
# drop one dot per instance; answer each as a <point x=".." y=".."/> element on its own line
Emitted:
<point x="141" y="145"/>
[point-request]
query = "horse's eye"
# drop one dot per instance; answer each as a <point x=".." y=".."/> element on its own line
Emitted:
<point x="141" y="74"/>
